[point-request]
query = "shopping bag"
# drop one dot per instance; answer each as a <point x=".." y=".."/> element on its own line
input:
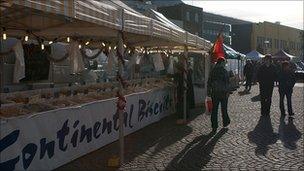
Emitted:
<point x="208" y="104"/>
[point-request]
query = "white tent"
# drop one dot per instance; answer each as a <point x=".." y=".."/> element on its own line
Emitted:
<point x="93" y="20"/>
<point x="180" y="35"/>
<point x="254" y="55"/>
<point x="282" y="55"/>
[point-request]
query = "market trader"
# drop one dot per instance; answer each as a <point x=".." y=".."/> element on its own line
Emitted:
<point x="266" y="77"/>
<point x="218" y="88"/>
<point x="248" y="72"/>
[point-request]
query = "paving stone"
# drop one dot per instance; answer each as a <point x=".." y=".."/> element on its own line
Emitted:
<point x="249" y="143"/>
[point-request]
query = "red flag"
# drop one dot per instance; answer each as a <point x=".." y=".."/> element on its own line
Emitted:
<point x="218" y="49"/>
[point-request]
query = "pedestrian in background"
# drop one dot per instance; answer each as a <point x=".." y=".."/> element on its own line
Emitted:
<point x="255" y="66"/>
<point x="218" y="90"/>
<point x="248" y="72"/>
<point x="287" y="81"/>
<point x="266" y="77"/>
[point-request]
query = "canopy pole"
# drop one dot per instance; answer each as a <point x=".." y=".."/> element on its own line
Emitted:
<point x="121" y="98"/>
<point x="207" y="70"/>
<point x="185" y="83"/>
<point x="120" y="93"/>
<point x="239" y="76"/>
<point x="1" y="69"/>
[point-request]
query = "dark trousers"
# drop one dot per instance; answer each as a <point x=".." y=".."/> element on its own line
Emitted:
<point x="288" y="94"/>
<point x="266" y="95"/>
<point x="224" y="102"/>
<point x="248" y="83"/>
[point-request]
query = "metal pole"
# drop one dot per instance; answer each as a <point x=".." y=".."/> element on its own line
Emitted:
<point x="239" y="70"/>
<point x="121" y="111"/>
<point x="1" y="68"/>
<point x="207" y="71"/>
<point x="185" y="82"/>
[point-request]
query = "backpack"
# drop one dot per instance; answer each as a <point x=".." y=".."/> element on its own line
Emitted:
<point x="219" y="84"/>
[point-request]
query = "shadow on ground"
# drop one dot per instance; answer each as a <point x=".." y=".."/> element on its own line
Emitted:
<point x="288" y="133"/>
<point x="256" y="98"/>
<point x="158" y="136"/>
<point x="244" y="92"/>
<point x="263" y="135"/>
<point x="197" y="153"/>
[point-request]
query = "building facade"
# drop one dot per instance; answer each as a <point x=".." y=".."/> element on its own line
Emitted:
<point x="211" y="30"/>
<point x="140" y="5"/>
<point x="241" y="37"/>
<point x="186" y="16"/>
<point x="267" y="37"/>
<point x="214" y="23"/>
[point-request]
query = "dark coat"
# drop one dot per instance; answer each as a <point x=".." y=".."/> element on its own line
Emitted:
<point x="218" y="82"/>
<point x="267" y="75"/>
<point x="248" y="70"/>
<point x="287" y="80"/>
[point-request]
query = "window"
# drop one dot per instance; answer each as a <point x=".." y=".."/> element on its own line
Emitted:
<point x="276" y="43"/>
<point x="188" y="16"/>
<point x="291" y="45"/>
<point x="263" y="41"/>
<point x="270" y="42"/>
<point x="259" y="40"/>
<point x="281" y="44"/>
<point x="196" y="17"/>
<point x="284" y="44"/>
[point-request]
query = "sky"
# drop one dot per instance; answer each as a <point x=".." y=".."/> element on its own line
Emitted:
<point x="289" y="13"/>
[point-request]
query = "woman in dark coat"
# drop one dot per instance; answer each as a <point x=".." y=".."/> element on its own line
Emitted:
<point x="287" y="81"/>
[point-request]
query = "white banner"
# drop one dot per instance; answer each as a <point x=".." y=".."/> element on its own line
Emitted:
<point x="50" y="139"/>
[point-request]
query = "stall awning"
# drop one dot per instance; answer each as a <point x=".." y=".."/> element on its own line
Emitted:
<point x="282" y="55"/>
<point x="231" y="53"/>
<point x="254" y="55"/>
<point x="92" y="19"/>
<point x="65" y="8"/>
<point x="103" y="13"/>
<point x="178" y="34"/>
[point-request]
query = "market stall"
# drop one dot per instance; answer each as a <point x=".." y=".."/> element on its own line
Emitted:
<point x="235" y="65"/>
<point x="254" y="55"/>
<point x="281" y="55"/>
<point x="44" y="127"/>
<point x="197" y="57"/>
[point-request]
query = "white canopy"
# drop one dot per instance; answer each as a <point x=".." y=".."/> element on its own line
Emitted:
<point x="92" y="19"/>
<point x="254" y="55"/>
<point x="282" y="55"/>
<point x="178" y="34"/>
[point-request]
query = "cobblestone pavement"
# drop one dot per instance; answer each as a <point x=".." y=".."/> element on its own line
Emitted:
<point x="250" y="142"/>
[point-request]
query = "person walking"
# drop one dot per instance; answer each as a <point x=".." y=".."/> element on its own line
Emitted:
<point x="266" y="76"/>
<point x="248" y="72"/>
<point x="287" y="81"/>
<point x="218" y="89"/>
